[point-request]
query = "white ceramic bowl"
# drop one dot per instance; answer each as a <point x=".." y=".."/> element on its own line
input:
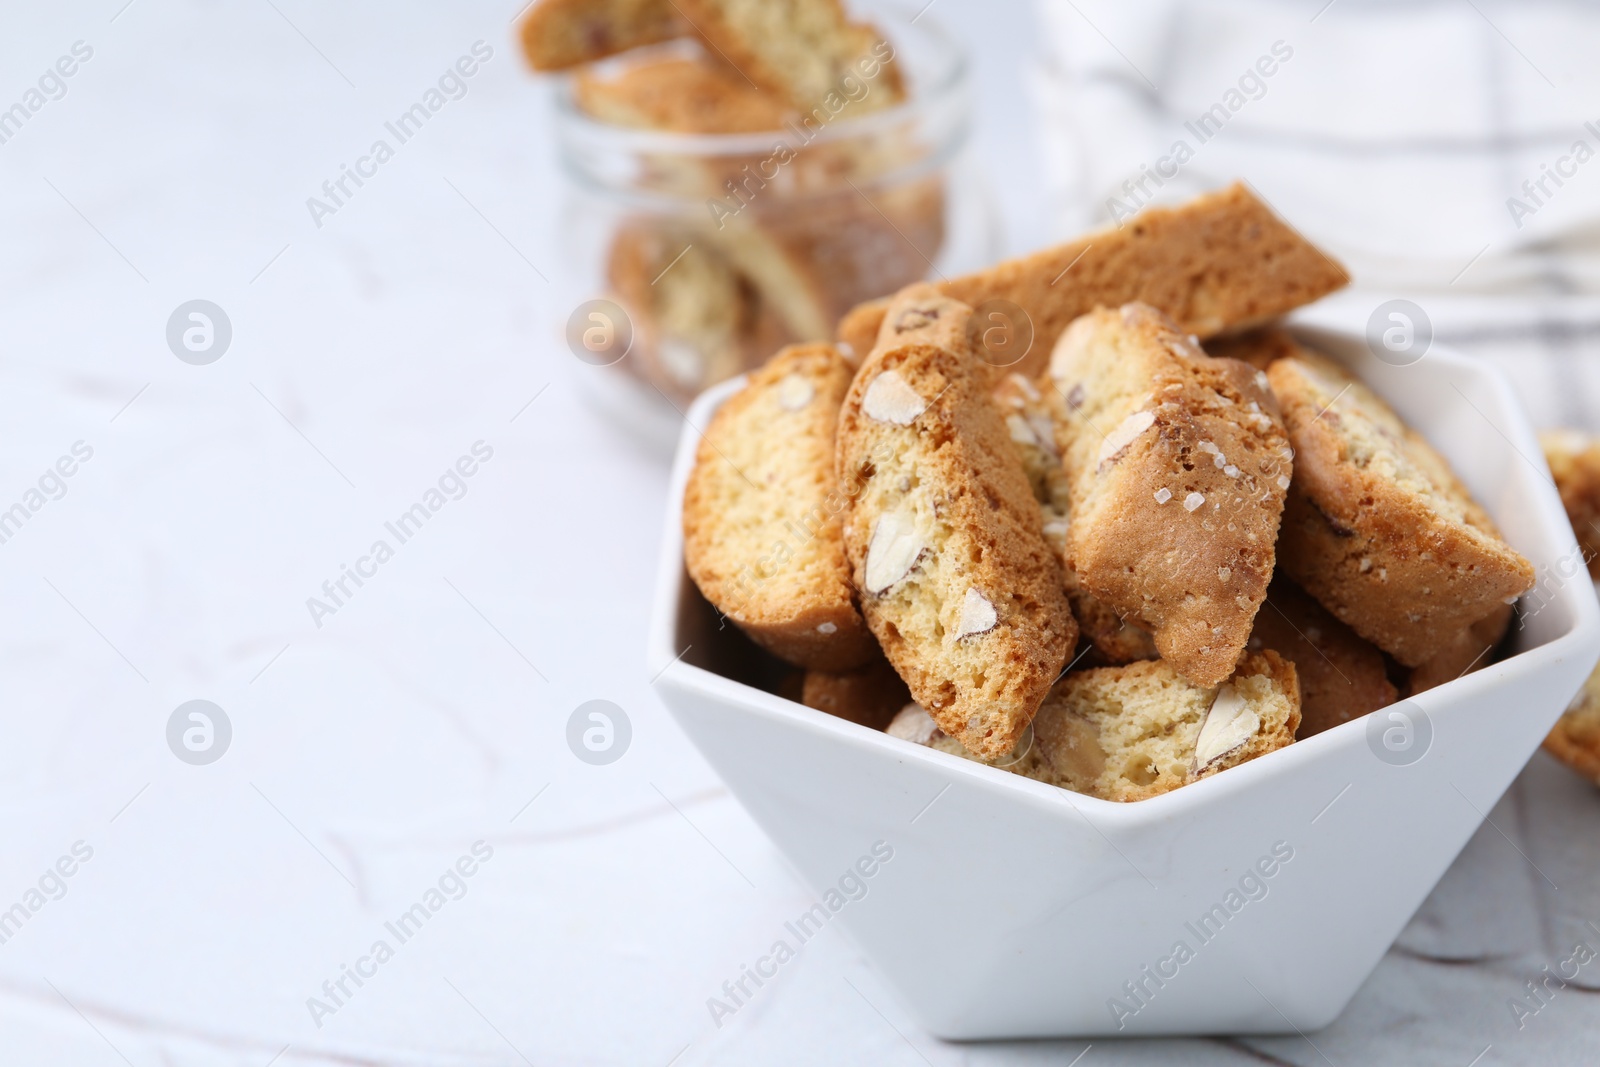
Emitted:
<point x="1011" y="908"/>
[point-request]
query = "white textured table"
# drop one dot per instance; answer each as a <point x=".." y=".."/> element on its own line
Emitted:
<point x="428" y="710"/>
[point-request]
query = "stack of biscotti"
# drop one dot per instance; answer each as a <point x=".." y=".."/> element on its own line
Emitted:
<point x="1105" y="574"/>
<point x="790" y="241"/>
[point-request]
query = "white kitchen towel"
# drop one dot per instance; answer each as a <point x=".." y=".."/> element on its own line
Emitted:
<point x="1448" y="146"/>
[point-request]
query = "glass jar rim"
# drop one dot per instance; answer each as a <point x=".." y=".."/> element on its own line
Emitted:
<point x="945" y="84"/>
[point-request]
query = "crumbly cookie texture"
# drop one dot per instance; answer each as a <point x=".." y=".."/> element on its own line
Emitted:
<point x="1575" y="740"/>
<point x="1342" y="677"/>
<point x="1469" y="650"/>
<point x="684" y="94"/>
<point x="805" y="51"/>
<point x="1177" y="467"/>
<point x="1032" y="430"/>
<point x="1574" y="460"/>
<point x="868" y="696"/>
<point x="1220" y="262"/>
<point x="1377" y="527"/>
<point x="944" y="538"/>
<point x="761" y="514"/>
<point x="557" y="34"/>
<point x="1139" y="730"/>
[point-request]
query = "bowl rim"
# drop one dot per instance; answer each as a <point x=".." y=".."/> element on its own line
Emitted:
<point x="664" y="662"/>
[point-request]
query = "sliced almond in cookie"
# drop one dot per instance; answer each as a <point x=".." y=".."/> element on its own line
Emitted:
<point x="761" y="524"/>
<point x="944" y="536"/>
<point x="1136" y="731"/>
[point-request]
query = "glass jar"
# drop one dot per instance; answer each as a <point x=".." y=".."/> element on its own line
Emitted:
<point x="692" y="258"/>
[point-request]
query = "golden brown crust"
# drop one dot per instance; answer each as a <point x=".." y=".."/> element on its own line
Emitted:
<point x="1031" y="427"/>
<point x="1220" y="262"/>
<point x="1137" y="731"/>
<point x="761" y="525"/>
<point x="1377" y="526"/>
<point x="806" y="52"/>
<point x="1342" y="677"/>
<point x="943" y="537"/>
<point x="1469" y="650"/>
<point x="1575" y="740"/>
<point x="869" y="696"/>
<point x="557" y="34"/>
<point x="1259" y="347"/>
<point x="1574" y="460"/>
<point x="1177" y="466"/>
<point x="684" y="95"/>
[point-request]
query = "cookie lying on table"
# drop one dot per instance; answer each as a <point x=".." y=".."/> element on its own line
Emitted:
<point x="1574" y="460"/>
<point x="761" y="514"/>
<point x="1137" y="731"/>
<point x="1377" y="527"/>
<point x="1575" y="740"/>
<point x="1222" y="261"/>
<point x="943" y="533"/>
<point x="1177" y="467"/>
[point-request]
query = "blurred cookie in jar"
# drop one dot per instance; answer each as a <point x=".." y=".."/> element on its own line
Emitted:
<point x="781" y="235"/>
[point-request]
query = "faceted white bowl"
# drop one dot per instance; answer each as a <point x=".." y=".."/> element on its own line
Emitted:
<point x="1015" y="909"/>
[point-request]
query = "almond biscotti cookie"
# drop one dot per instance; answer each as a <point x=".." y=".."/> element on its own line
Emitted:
<point x="1136" y="731"/>
<point x="1575" y="740"/>
<point x="681" y="94"/>
<point x="943" y="536"/>
<point x="868" y="696"/>
<point x="805" y="51"/>
<point x="1470" y="650"/>
<point x="1574" y="460"/>
<point x="1258" y="347"/>
<point x="1032" y="431"/>
<point x="761" y="514"/>
<point x="694" y="321"/>
<point x="1177" y="467"/>
<point x="1341" y="676"/>
<point x="557" y="34"/>
<point x="1220" y="262"/>
<point x="1377" y="527"/>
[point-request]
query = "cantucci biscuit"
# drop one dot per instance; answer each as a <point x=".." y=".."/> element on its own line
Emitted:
<point x="761" y="514"/>
<point x="1177" y="466"/>
<point x="1032" y="431"/>
<point x="1220" y="262"/>
<point x="1575" y="740"/>
<point x="557" y="34"/>
<point x="1574" y="460"/>
<point x="1470" y="650"/>
<point x="1342" y="677"/>
<point x="678" y="93"/>
<point x="944" y="539"/>
<point x="1377" y="527"/>
<point x="1139" y="730"/>
<point x="805" y="51"/>
<point x="868" y="696"/>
